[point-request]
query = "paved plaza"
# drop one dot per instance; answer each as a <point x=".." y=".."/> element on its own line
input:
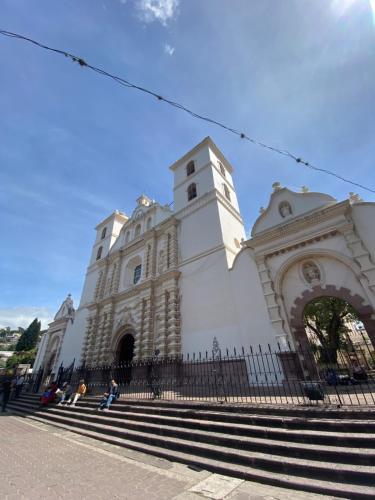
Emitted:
<point x="39" y="461"/>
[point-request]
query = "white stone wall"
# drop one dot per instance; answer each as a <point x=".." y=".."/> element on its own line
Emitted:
<point x="242" y="294"/>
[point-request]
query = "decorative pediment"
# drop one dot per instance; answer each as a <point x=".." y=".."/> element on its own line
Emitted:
<point x="66" y="309"/>
<point x="285" y="205"/>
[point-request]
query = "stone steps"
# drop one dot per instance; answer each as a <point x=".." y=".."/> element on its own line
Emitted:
<point x="312" y="420"/>
<point x="194" y="435"/>
<point x="230" y="436"/>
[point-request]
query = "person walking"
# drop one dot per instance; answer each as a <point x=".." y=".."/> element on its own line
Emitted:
<point x="6" y="388"/>
<point x="81" y="391"/>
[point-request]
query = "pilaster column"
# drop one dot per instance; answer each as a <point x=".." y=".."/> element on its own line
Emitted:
<point x="361" y="256"/>
<point x="174" y="326"/>
<point x="271" y="299"/>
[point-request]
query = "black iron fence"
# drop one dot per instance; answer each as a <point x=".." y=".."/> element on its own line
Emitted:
<point x="278" y="375"/>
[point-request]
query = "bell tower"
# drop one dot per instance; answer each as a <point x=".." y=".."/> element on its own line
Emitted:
<point x="206" y="203"/>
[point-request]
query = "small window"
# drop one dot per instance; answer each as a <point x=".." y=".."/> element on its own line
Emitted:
<point x="99" y="253"/>
<point x="192" y="191"/>
<point x="104" y="232"/>
<point x="137" y="274"/>
<point x="222" y="169"/>
<point x="149" y="221"/>
<point x="190" y="168"/>
<point x="226" y="192"/>
<point x="127" y="236"/>
<point x="137" y="230"/>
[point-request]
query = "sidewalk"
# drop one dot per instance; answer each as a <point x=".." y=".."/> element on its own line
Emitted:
<point x="39" y="461"/>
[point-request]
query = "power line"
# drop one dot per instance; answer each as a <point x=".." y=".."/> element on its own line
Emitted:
<point x="177" y="105"/>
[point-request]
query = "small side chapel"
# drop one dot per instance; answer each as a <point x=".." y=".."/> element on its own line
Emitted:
<point x="175" y="280"/>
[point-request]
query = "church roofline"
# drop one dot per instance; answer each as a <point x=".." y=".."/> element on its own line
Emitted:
<point x="117" y="214"/>
<point x="207" y="141"/>
<point x="330" y="200"/>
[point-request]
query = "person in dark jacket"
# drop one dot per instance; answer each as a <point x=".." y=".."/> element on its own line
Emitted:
<point x="110" y="396"/>
<point x="6" y="386"/>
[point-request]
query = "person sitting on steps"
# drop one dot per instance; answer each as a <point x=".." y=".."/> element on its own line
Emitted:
<point x="81" y="391"/>
<point x="65" y="393"/>
<point x="110" y="396"/>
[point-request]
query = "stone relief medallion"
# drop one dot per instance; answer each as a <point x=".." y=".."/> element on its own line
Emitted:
<point x="311" y="272"/>
<point x="285" y="209"/>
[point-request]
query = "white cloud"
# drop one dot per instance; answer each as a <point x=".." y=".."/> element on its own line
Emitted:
<point x="23" y="316"/>
<point x="157" y="10"/>
<point x="168" y="49"/>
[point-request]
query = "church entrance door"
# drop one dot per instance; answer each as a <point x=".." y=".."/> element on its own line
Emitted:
<point x="124" y="357"/>
<point x="125" y="350"/>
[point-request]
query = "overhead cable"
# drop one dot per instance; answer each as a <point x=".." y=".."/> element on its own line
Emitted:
<point x="242" y="135"/>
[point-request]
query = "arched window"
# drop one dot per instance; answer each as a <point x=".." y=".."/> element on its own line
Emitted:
<point x="104" y="232"/>
<point x="137" y="273"/>
<point x="137" y="230"/>
<point x="127" y="236"/>
<point x="192" y="191"/>
<point x="149" y="221"/>
<point x="132" y="271"/>
<point x="222" y="169"/>
<point x="190" y="168"/>
<point x="99" y="253"/>
<point x="226" y="192"/>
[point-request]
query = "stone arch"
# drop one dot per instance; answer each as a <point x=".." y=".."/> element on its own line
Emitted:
<point x="314" y="253"/>
<point x="124" y="343"/>
<point x="364" y="310"/>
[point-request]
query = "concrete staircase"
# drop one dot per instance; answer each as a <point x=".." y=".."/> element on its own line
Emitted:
<point x="327" y="451"/>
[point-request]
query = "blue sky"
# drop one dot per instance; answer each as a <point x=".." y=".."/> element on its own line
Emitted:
<point x="298" y="74"/>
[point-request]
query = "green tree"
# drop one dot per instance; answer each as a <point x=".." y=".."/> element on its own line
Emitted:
<point x="30" y="336"/>
<point x="327" y="318"/>
<point x="25" y="357"/>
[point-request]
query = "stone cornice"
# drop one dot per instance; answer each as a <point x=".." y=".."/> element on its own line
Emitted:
<point x="298" y="243"/>
<point x="135" y="290"/>
<point x="299" y="224"/>
<point x="116" y="215"/>
<point x="204" y="200"/>
<point x="59" y="323"/>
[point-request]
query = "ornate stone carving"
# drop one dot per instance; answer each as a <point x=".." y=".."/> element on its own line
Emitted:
<point x="311" y="272"/>
<point x="285" y="209"/>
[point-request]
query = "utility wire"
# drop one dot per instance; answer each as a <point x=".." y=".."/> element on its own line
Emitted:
<point x="177" y="105"/>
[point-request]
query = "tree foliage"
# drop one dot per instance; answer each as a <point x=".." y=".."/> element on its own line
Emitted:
<point x="29" y="337"/>
<point x="327" y="318"/>
<point x="25" y="357"/>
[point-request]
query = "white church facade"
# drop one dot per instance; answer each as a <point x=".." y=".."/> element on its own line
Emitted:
<point x="174" y="280"/>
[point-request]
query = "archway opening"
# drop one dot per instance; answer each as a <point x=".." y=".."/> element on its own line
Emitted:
<point x="125" y="349"/>
<point x="336" y="335"/>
